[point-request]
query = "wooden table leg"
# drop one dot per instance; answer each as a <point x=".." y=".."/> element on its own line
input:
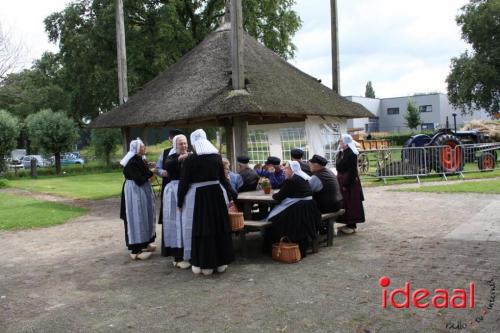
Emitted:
<point x="247" y="210"/>
<point x="243" y="242"/>
<point x="329" y="240"/>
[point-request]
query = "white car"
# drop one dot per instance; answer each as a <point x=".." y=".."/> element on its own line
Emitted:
<point x="40" y="161"/>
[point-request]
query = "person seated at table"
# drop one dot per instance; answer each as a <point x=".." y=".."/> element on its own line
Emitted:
<point x="234" y="179"/>
<point x="297" y="155"/>
<point x="273" y="171"/>
<point x="325" y="186"/>
<point x="248" y="175"/>
<point x="297" y="215"/>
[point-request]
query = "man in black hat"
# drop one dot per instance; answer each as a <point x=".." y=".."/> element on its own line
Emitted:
<point x="273" y="171"/>
<point x="249" y="176"/>
<point x="326" y="189"/>
<point x="297" y="155"/>
<point x="160" y="170"/>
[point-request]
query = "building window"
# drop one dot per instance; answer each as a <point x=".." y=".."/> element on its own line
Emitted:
<point x="330" y="136"/>
<point x="425" y="108"/>
<point x="258" y="146"/>
<point x="427" y="126"/>
<point x="293" y="138"/>
<point x="392" y="110"/>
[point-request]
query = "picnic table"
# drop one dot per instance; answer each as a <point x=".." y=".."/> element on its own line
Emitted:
<point x="247" y="199"/>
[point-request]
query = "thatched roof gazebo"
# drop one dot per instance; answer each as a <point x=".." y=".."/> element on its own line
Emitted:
<point x="198" y="91"/>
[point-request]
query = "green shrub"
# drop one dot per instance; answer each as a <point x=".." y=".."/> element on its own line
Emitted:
<point x="4" y="183"/>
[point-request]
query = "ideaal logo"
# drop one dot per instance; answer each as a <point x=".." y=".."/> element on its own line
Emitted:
<point x="460" y="298"/>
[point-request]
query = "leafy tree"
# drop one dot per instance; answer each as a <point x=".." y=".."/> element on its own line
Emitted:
<point x="158" y="33"/>
<point x="412" y="116"/>
<point x="104" y="142"/>
<point x="9" y="131"/>
<point x="52" y="131"/>
<point x="474" y="80"/>
<point x="369" y="92"/>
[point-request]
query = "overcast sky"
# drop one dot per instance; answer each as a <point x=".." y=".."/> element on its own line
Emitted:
<point x="402" y="46"/>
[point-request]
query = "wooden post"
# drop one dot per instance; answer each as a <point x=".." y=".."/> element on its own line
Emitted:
<point x="121" y="59"/>
<point x="239" y="127"/>
<point x="230" y="142"/>
<point x="335" y="48"/>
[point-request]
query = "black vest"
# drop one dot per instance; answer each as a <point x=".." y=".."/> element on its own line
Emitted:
<point x="329" y="199"/>
<point x="250" y="180"/>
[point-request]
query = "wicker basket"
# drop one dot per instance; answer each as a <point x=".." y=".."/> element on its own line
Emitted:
<point x="286" y="252"/>
<point x="237" y="221"/>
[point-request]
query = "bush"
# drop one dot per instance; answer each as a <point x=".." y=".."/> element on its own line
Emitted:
<point x="399" y="139"/>
<point x="4" y="183"/>
<point x="69" y="170"/>
<point x="105" y="142"/>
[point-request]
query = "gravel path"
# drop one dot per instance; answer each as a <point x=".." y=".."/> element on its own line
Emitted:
<point x="77" y="277"/>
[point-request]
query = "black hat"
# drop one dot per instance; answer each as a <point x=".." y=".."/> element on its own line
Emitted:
<point x="297" y="153"/>
<point x="273" y="160"/>
<point x="243" y="159"/>
<point x="319" y="160"/>
<point x="174" y="131"/>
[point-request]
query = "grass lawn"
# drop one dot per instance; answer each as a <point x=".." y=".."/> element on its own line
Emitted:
<point x="489" y="186"/>
<point x="18" y="212"/>
<point x="93" y="186"/>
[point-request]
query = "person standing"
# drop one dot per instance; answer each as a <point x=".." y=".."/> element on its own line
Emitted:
<point x="297" y="155"/>
<point x="172" y="224"/>
<point x="296" y="216"/>
<point x="137" y="208"/>
<point x="203" y="197"/>
<point x="161" y="171"/>
<point x="350" y="185"/>
<point x="249" y="176"/>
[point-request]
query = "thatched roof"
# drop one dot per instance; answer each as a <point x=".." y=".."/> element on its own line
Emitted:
<point x="198" y="88"/>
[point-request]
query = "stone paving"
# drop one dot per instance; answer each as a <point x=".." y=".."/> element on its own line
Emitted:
<point x="77" y="277"/>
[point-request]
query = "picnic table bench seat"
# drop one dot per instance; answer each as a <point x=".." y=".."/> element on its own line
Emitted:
<point x="251" y="225"/>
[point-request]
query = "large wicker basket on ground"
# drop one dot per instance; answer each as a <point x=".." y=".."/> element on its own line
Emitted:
<point x="286" y="252"/>
<point x="237" y="221"/>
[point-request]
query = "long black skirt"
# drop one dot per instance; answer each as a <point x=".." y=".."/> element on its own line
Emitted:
<point x="212" y="244"/>
<point x="299" y="223"/>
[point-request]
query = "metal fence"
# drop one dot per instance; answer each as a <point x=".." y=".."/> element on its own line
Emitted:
<point x="424" y="161"/>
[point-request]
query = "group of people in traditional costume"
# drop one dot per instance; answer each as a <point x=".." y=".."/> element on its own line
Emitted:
<point x="198" y="188"/>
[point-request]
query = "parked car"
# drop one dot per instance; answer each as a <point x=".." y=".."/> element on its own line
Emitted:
<point x="40" y="161"/>
<point x="70" y="158"/>
<point x="14" y="164"/>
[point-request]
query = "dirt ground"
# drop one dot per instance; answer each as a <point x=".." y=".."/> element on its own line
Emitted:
<point x="77" y="277"/>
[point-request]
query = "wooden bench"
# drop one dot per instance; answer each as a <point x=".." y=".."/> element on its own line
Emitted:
<point x="261" y="225"/>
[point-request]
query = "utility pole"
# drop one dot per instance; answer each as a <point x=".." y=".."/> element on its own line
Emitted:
<point x="237" y="133"/>
<point x="121" y="59"/>
<point x="335" y="48"/>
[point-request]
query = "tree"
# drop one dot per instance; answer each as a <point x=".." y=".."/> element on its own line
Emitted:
<point x="9" y="131"/>
<point x="104" y="142"/>
<point x="369" y="92"/>
<point x="158" y="33"/>
<point x="412" y="116"/>
<point x="52" y="131"/>
<point x="10" y="53"/>
<point x="474" y="80"/>
<point x="34" y="89"/>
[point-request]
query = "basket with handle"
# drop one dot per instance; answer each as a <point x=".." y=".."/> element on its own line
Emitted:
<point x="286" y="252"/>
<point x="237" y="221"/>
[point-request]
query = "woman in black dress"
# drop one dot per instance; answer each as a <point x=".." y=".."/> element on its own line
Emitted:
<point x="137" y="208"/>
<point x="350" y="185"/>
<point x="172" y="224"/>
<point x="296" y="216"/>
<point x="203" y="196"/>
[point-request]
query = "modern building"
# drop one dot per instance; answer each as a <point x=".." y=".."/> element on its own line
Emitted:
<point x="389" y="113"/>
